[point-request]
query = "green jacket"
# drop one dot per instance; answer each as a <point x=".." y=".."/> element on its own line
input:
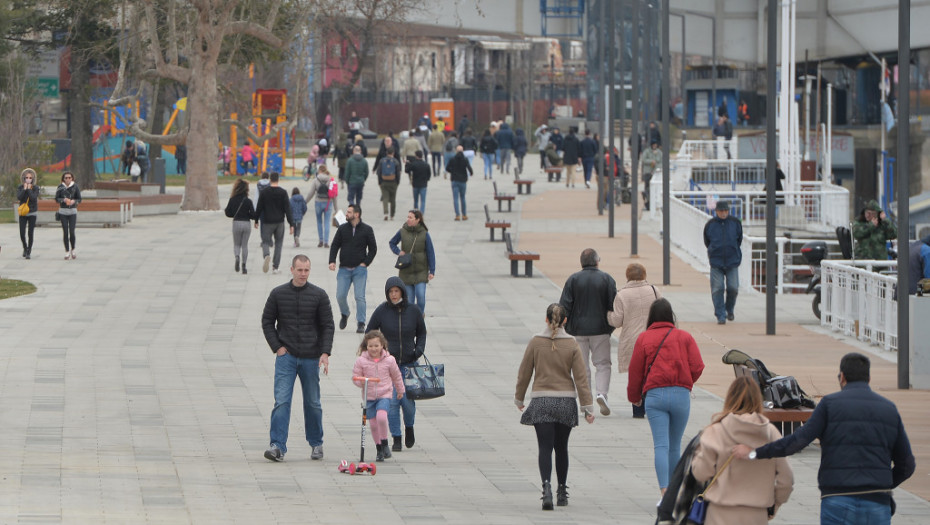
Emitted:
<point x="871" y="239"/>
<point x="418" y="272"/>
<point x="356" y="170"/>
<point x="652" y="160"/>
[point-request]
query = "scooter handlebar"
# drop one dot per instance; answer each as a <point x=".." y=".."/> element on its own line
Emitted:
<point x="370" y="379"/>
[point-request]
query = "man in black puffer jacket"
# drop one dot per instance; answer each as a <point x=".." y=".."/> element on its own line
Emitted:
<point x="864" y="450"/>
<point x="298" y="325"/>
<point x="403" y="327"/>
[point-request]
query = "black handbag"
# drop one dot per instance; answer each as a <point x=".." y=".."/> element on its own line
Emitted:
<point x="405" y="260"/>
<point x="427" y="381"/>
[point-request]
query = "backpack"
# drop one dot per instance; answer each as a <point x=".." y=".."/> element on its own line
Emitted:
<point x="322" y="191"/>
<point x="388" y="169"/>
<point x="449" y="146"/>
<point x="333" y="189"/>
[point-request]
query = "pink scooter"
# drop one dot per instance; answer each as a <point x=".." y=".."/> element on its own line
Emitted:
<point x="361" y="466"/>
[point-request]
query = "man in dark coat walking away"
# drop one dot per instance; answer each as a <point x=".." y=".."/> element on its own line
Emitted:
<point x="298" y="325"/>
<point x="570" y="147"/>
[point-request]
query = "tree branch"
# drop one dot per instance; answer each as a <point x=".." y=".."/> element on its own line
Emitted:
<point x="254" y="30"/>
<point x="137" y="128"/>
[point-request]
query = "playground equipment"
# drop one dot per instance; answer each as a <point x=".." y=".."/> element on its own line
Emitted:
<point x="269" y="108"/>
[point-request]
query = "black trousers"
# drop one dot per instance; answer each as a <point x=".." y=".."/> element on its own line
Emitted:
<point x="27" y="224"/>
<point x="553" y="436"/>
<point x="68" y="222"/>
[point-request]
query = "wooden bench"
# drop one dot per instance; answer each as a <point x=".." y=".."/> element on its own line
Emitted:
<point x="787" y="420"/>
<point x="103" y="212"/>
<point x="515" y="257"/>
<point x="502" y="197"/>
<point x="521" y="183"/>
<point x="554" y="172"/>
<point x="493" y="225"/>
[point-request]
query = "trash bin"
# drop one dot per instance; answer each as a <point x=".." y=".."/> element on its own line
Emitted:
<point x="157" y="174"/>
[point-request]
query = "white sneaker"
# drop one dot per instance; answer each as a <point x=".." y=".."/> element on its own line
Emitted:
<point x="67" y="255"/>
<point x="266" y="264"/>
<point x="602" y="401"/>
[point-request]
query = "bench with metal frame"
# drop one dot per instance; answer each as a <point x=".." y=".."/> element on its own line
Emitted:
<point x="495" y="224"/>
<point x="516" y="256"/>
<point x="502" y="197"/>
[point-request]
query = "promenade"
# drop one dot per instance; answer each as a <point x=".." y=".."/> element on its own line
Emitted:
<point x="136" y="385"/>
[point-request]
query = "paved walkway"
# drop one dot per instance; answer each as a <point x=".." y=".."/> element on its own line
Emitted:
<point x="136" y="386"/>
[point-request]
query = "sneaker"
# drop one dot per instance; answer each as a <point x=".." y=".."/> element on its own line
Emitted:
<point x="320" y="245"/>
<point x="73" y="254"/>
<point x="385" y="217"/>
<point x="275" y="271"/>
<point x="587" y="184"/>
<point x="360" y="329"/>
<point x="274" y="453"/>
<point x="266" y="264"/>
<point x="730" y="316"/>
<point x="317" y="452"/>
<point x="67" y="255"/>
<point x="237" y="264"/>
<point x="326" y="245"/>
<point x="296" y="243"/>
<point x="343" y="321"/>
<point x="244" y="271"/>
<point x="602" y="401"/>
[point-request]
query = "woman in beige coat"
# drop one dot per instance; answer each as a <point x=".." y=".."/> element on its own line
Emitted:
<point x="746" y="492"/>
<point x="631" y="309"/>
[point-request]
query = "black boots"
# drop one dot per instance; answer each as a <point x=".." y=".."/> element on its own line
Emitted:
<point x="380" y="456"/>
<point x="547" y="496"/>
<point x="397" y="446"/>
<point x="561" y="496"/>
<point x="237" y="264"/>
<point x="385" y="449"/>
<point x="408" y="437"/>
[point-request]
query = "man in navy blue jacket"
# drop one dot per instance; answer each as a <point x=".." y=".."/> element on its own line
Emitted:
<point x="864" y="450"/>
<point x="723" y="236"/>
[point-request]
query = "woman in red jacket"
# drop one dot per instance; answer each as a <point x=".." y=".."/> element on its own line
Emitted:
<point x="665" y="364"/>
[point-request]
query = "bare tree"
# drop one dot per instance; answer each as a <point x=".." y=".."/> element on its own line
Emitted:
<point x="189" y="42"/>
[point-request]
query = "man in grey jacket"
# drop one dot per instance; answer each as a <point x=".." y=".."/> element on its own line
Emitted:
<point x="587" y="297"/>
<point x="298" y="325"/>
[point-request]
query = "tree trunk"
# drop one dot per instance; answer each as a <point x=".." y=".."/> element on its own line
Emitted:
<point x="82" y="146"/>
<point x="157" y="116"/>
<point x="200" y="192"/>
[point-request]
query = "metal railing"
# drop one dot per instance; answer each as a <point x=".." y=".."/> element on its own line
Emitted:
<point x="859" y="302"/>
<point x="708" y="149"/>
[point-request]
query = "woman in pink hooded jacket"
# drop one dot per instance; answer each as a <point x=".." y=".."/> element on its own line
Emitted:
<point x="374" y="361"/>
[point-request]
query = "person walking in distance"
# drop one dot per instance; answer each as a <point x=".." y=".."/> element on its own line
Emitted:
<point x="723" y="237"/>
<point x="321" y="188"/>
<point x="419" y="172"/>
<point x="436" y="141"/>
<point x="571" y="147"/>
<point x="28" y="193"/>
<point x="542" y="142"/>
<point x="587" y="150"/>
<point x="488" y="153"/>
<point x="356" y="246"/>
<point x="298" y="210"/>
<point x="374" y="361"/>
<point x="388" y="171"/>
<point x="587" y="297"/>
<point x="356" y="175"/>
<point x="504" y="138"/>
<point x="652" y="162"/>
<point x="553" y="360"/>
<point x="298" y="325"/>
<point x="274" y="206"/>
<point x="68" y="196"/>
<point x="241" y="211"/>
<point x="864" y="450"/>
<point x="460" y="171"/>
<point x="519" y="149"/>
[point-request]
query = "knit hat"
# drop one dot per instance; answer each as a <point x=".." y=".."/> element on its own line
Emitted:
<point x="873" y="205"/>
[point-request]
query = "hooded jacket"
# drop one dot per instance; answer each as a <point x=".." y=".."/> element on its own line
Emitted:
<point x="587" y="297"/>
<point x="519" y="143"/>
<point x="356" y="170"/>
<point x="459" y="168"/>
<point x="555" y="363"/>
<point x="385" y="369"/>
<point x="723" y="239"/>
<point x="504" y="137"/>
<point x="679" y="361"/>
<point x="300" y="319"/>
<point x="30" y="196"/>
<point x="402" y="324"/>
<point x="760" y="484"/>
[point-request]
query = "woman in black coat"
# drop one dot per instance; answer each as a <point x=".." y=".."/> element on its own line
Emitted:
<point x="28" y="193"/>
<point x="402" y="324"/>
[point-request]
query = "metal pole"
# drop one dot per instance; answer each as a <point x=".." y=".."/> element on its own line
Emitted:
<point x="684" y="103"/>
<point x="611" y="82"/>
<point x="601" y="189"/>
<point x="771" y="264"/>
<point x="713" y="69"/>
<point x="634" y="135"/>
<point x="904" y="172"/>
<point x="667" y="145"/>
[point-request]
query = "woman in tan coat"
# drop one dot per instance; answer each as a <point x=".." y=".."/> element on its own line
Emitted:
<point x="746" y="492"/>
<point x="553" y="360"/>
<point x="631" y="309"/>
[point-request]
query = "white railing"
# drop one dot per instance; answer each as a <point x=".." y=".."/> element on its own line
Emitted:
<point x="859" y="302"/>
<point x="708" y="149"/>
<point x="687" y="225"/>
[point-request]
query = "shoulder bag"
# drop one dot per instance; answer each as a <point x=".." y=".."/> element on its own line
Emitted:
<point x="23" y="209"/>
<point x="642" y="396"/>
<point x="699" y="506"/>
<point x="427" y="381"/>
<point x="405" y="260"/>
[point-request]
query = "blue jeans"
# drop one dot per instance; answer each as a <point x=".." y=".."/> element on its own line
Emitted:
<point x="504" y="159"/>
<point x="458" y="197"/>
<point x="416" y="294"/>
<point x="850" y="510"/>
<point x="488" y="165"/>
<point x="355" y="193"/>
<point x="357" y="277"/>
<point x="717" y="276"/>
<point x="667" y="409"/>
<point x="323" y="211"/>
<point x="588" y="164"/>
<point x="287" y="369"/>
<point x="374" y="405"/>
<point x="407" y="405"/>
<point x="419" y="199"/>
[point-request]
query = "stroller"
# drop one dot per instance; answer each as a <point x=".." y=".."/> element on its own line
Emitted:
<point x="777" y="391"/>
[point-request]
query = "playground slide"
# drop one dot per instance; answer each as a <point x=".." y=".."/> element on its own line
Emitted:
<point x="61" y="165"/>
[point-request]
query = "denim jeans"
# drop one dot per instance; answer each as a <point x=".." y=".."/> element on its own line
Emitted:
<point x="407" y="405"/>
<point x="850" y="510"/>
<point x="287" y="369"/>
<point x="470" y="155"/>
<point x="458" y="198"/>
<point x="667" y="409"/>
<point x="588" y="165"/>
<point x="419" y="199"/>
<point x="505" y="159"/>
<point x="416" y="294"/>
<point x="717" y="276"/>
<point x="323" y="211"/>
<point x="488" y="165"/>
<point x="355" y="193"/>
<point x="357" y="277"/>
<point x="273" y="233"/>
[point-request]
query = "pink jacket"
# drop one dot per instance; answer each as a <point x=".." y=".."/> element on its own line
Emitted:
<point x="384" y="369"/>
